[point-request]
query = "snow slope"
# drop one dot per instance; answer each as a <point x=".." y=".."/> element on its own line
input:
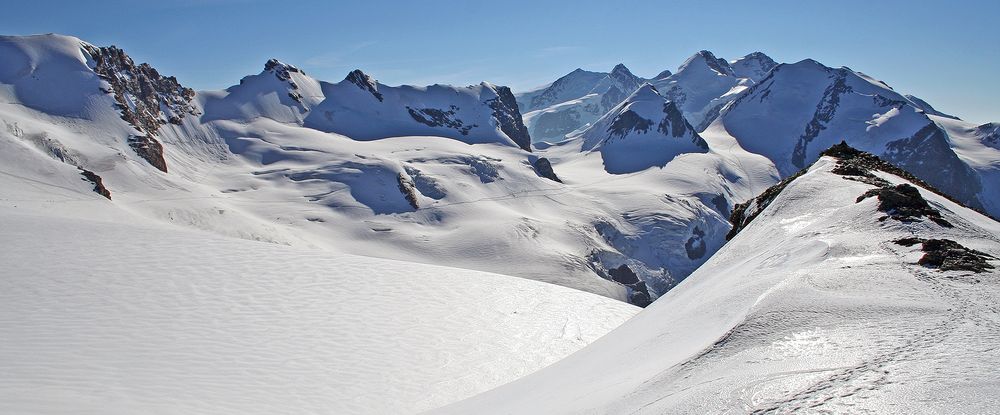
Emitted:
<point x="104" y="312"/>
<point x="811" y="308"/>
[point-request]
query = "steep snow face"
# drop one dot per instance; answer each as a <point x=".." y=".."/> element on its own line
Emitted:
<point x="754" y="66"/>
<point x="800" y="109"/>
<point x="575" y="101"/>
<point x="363" y="109"/>
<point x="280" y="92"/>
<point x="105" y="312"/>
<point x="701" y="87"/>
<point x="812" y="307"/>
<point x="643" y="131"/>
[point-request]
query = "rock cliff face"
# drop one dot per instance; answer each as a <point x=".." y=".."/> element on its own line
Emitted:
<point x="508" y="117"/>
<point x="146" y="99"/>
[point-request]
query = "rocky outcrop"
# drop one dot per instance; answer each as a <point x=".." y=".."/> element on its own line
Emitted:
<point x="746" y="212"/>
<point x="149" y="149"/>
<point x="508" y="117"/>
<point x="638" y="293"/>
<point x="96" y="180"/>
<point x="905" y="204"/>
<point x="283" y="72"/>
<point x="365" y="82"/>
<point x="408" y="189"/>
<point x="544" y="168"/>
<point x="433" y="117"/>
<point x="858" y="165"/>
<point x="948" y="255"/>
<point x="146" y="99"/>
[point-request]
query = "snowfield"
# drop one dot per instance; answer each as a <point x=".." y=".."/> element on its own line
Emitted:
<point x="111" y="317"/>
<point x="812" y="308"/>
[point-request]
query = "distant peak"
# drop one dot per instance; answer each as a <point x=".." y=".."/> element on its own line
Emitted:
<point x="620" y="68"/>
<point x="714" y="63"/>
<point x="664" y="74"/>
<point x="365" y="82"/>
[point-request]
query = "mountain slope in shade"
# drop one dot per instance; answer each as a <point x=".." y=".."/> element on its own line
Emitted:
<point x="643" y="131"/>
<point x="818" y="305"/>
<point x="800" y="109"/>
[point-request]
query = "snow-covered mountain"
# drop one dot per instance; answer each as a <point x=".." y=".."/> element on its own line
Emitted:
<point x="705" y="83"/>
<point x="575" y="101"/>
<point x="852" y="289"/>
<point x="800" y="109"/>
<point x="643" y="131"/>
<point x="700" y="88"/>
<point x="347" y="166"/>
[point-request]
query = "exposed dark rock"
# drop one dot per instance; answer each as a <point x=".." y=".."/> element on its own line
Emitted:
<point x="508" y="117"/>
<point x="365" y="82"/>
<point x="408" y="189"/>
<point x="675" y="125"/>
<point x="146" y="99"/>
<point x="149" y="149"/>
<point x="695" y="245"/>
<point x="281" y="70"/>
<point x="858" y="165"/>
<point x="624" y="275"/>
<point x="544" y="168"/>
<point x="434" y="117"/>
<point x="629" y="122"/>
<point x="96" y="181"/>
<point x="746" y="212"/>
<point x="825" y="111"/>
<point x="948" y="255"/>
<point x="905" y="204"/>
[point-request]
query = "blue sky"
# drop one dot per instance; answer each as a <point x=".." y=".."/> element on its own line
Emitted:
<point x="947" y="53"/>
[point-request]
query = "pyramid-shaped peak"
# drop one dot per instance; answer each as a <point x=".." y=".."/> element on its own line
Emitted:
<point x="708" y="59"/>
<point x="646" y="92"/>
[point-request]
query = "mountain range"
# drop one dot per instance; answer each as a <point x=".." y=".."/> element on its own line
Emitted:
<point x="770" y="215"/>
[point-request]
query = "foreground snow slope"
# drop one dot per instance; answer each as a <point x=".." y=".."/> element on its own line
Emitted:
<point x="811" y="308"/>
<point x="100" y="313"/>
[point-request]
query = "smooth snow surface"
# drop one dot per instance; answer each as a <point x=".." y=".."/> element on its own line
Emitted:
<point x="810" y="309"/>
<point x="117" y="318"/>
